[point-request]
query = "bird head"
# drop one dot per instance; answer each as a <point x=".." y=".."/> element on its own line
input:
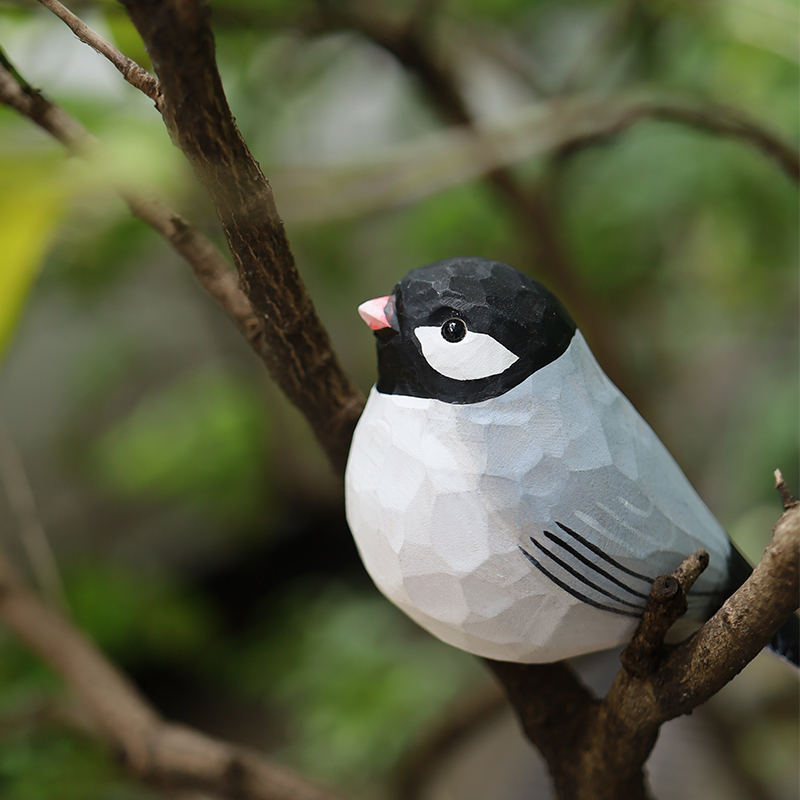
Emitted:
<point x="465" y="330"/>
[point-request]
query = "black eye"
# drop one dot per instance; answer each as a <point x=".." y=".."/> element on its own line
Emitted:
<point x="454" y="330"/>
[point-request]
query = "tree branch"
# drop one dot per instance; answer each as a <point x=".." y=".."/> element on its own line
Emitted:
<point x="302" y="361"/>
<point x="159" y="752"/>
<point x="135" y="75"/>
<point x="666" y="605"/>
<point x="22" y="504"/>
<point x="405" y="173"/>
<point x="17" y="93"/>
<point x="596" y="750"/>
<point x="739" y="631"/>
<point x="715" y="118"/>
<point x="554" y="709"/>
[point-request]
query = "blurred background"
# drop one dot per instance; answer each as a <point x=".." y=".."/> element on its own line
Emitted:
<point x="197" y="531"/>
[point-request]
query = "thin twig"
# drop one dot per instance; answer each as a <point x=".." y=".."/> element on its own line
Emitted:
<point x="786" y="496"/>
<point x="406" y="173"/>
<point x="133" y="73"/>
<point x="22" y="503"/>
<point x="17" y="93"/>
<point x="714" y="118"/>
<point x="666" y="604"/>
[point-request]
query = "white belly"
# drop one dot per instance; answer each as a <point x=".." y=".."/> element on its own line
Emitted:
<point x="443" y="499"/>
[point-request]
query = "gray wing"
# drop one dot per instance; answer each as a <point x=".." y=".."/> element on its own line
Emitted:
<point x="608" y="552"/>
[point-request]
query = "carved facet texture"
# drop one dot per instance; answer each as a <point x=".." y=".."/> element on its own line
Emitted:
<point x="527" y="527"/>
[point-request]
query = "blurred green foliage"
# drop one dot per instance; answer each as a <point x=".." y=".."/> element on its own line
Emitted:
<point x="23" y="677"/>
<point x="459" y="221"/>
<point x="95" y="255"/>
<point x="624" y="208"/>
<point x="201" y="439"/>
<point x="358" y="679"/>
<point x="38" y="764"/>
<point x="142" y="414"/>
<point x="140" y="617"/>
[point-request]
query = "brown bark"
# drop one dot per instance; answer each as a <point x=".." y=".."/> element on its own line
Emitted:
<point x="299" y="354"/>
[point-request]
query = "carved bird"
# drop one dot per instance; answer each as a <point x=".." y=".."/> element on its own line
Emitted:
<point x="502" y="491"/>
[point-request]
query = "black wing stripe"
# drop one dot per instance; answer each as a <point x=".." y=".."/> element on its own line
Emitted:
<point x="692" y="592"/>
<point x="598" y="552"/>
<point x="576" y="594"/>
<point x="582" y="558"/>
<point x="582" y="578"/>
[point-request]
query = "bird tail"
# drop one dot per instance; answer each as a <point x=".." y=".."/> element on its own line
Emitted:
<point x="786" y="642"/>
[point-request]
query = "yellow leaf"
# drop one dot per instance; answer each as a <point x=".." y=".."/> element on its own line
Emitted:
<point x="32" y="201"/>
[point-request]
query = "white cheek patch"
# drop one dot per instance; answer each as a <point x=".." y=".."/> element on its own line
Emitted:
<point x="476" y="356"/>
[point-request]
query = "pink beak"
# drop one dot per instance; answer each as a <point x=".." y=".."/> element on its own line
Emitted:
<point x="374" y="312"/>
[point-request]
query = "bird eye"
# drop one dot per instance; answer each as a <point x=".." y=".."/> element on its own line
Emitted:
<point x="454" y="330"/>
<point x="461" y="354"/>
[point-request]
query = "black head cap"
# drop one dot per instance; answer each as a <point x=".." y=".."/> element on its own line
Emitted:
<point x="490" y="298"/>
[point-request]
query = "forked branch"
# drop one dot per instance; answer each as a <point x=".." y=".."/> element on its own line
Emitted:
<point x="287" y="331"/>
<point x="596" y="750"/>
